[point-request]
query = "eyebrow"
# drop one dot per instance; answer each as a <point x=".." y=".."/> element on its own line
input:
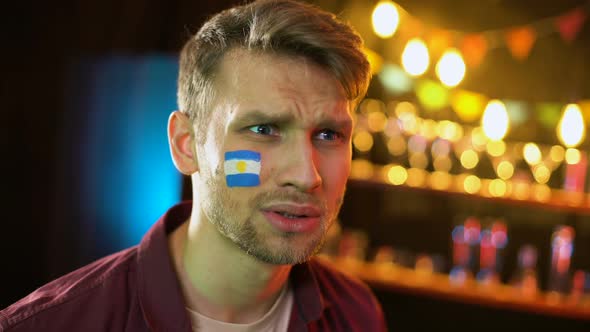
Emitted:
<point x="257" y="116"/>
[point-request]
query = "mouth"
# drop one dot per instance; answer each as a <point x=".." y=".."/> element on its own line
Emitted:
<point x="293" y="218"/>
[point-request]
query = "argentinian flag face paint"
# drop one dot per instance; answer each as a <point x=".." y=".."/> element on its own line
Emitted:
<point x="242" y="168"/>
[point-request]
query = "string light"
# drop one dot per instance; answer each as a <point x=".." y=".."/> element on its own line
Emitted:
<point x="385" y="19"/>
<point x="532" y="154"/>
<point x="450" y="69"/>
<point x="571" y="129"/>
<point x="495" y="120"/>
<point x="415" y="58"/>
<point x="408" y="133"/>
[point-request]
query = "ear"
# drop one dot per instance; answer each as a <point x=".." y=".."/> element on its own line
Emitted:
<point x="182" y="143"/>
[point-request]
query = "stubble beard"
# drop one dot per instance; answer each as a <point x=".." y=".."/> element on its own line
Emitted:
<point x="242" y="231"/>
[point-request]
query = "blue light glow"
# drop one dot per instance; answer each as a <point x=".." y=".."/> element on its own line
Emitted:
<point x="127" y="177"/>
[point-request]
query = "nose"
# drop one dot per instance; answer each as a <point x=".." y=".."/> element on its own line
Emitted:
<point x="299" y="167"/>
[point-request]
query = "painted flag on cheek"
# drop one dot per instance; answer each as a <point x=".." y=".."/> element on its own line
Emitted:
<point x="242" y="168"/>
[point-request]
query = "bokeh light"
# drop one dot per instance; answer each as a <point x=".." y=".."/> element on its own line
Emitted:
<point x="432" y="95"/>
<point x="468" y="105"/>
<point x="440" y="147"/>
<point x="496" y="148"/>
<point x="505" y="170"/>
<point x="471" y="184"/>
<point x="417" y="144"/>
<point x="450" y="69"/>
<point x="440" y="180"/>
<point x="376" y="121"/>
<point x="495" y="120"/>
<point x="541" y="192"/>
<point x="572" y="156"/>
<point x="497" y="188"/>
<point x="361" y="169"/>
<point x="415" y="58"/>
<point x="397" y="175"/>
<point x="385" y="19"/>
<point x="557" y="153"/>
<point x="362" y="141"/>
<point x="449" y="130"/>
<point x="416" y="177"/>
<point x="531" y="153"/>
<point x="571" y="128"/>
<point x="442" y="163"/>
<point x="541" y="173"/>
<point x="478" y="139"/>
<point x="469" y="159"/>
<point x="396" y="145"/>
<point x="418" y="160"/>
<point x="395" y="79"/>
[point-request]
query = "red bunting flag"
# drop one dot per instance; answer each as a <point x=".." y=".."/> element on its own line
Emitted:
<point x="474" y="47"/>
<point x="570" y="24"/>
<point x="520" y="41"/>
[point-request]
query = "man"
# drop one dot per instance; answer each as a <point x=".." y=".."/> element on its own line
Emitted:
<point x="266" y="92"/>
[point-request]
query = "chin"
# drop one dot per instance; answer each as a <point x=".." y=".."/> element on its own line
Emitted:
<point x="289" y="251"/>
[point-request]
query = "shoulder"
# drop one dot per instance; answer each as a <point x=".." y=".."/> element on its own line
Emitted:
<point x="346" y="292"/>
<point x="87" y="286"/>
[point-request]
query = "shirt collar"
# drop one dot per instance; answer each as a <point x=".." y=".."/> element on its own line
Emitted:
<point x="160" y="294"/>
<point x="309" y="300"/>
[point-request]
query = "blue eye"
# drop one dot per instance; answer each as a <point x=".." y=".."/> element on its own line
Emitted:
<point x="329" y="135"/>
<point x="264" y="129"/>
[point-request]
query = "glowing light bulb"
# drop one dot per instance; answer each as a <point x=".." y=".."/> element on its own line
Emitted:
<point x="532" y="154"/>
<point x="571" y="129"/>
<point x="450" y="69"/>
<point x="495" y="120"/>
<point x="415" y="58"/>
<point x="385" y="19"/>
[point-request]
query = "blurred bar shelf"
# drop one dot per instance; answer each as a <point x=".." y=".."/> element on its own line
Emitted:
<point x="553" y="200"/>
<point x="391" y="277"/>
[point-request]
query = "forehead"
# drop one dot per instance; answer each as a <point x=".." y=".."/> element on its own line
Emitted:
<point x="277" y="83"/>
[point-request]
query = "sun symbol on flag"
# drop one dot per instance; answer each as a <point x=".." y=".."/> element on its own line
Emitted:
<point x="241" y="166"/>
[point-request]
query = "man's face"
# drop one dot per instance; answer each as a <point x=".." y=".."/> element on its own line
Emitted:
<point x="297" y="117"/>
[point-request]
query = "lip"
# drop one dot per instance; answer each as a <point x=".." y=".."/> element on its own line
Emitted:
<point x="309" y="221"/>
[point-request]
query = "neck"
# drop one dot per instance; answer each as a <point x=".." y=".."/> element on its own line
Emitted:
<point x="218" y="279"/>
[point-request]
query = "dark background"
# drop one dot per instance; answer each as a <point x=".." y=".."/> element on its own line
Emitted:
<point x="38" y="238"/>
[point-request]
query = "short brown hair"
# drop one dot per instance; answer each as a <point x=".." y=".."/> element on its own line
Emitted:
<point x="284" y="27"/>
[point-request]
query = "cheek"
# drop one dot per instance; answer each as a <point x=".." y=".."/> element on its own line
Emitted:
<point x="334" y="172"/>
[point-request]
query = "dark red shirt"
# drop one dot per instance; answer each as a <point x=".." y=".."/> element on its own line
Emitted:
<point x="137" y="290"/>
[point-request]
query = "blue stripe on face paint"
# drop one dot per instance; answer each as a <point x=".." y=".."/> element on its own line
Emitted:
<point x="242" y="180"/>
<point x="242" y="154"/>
